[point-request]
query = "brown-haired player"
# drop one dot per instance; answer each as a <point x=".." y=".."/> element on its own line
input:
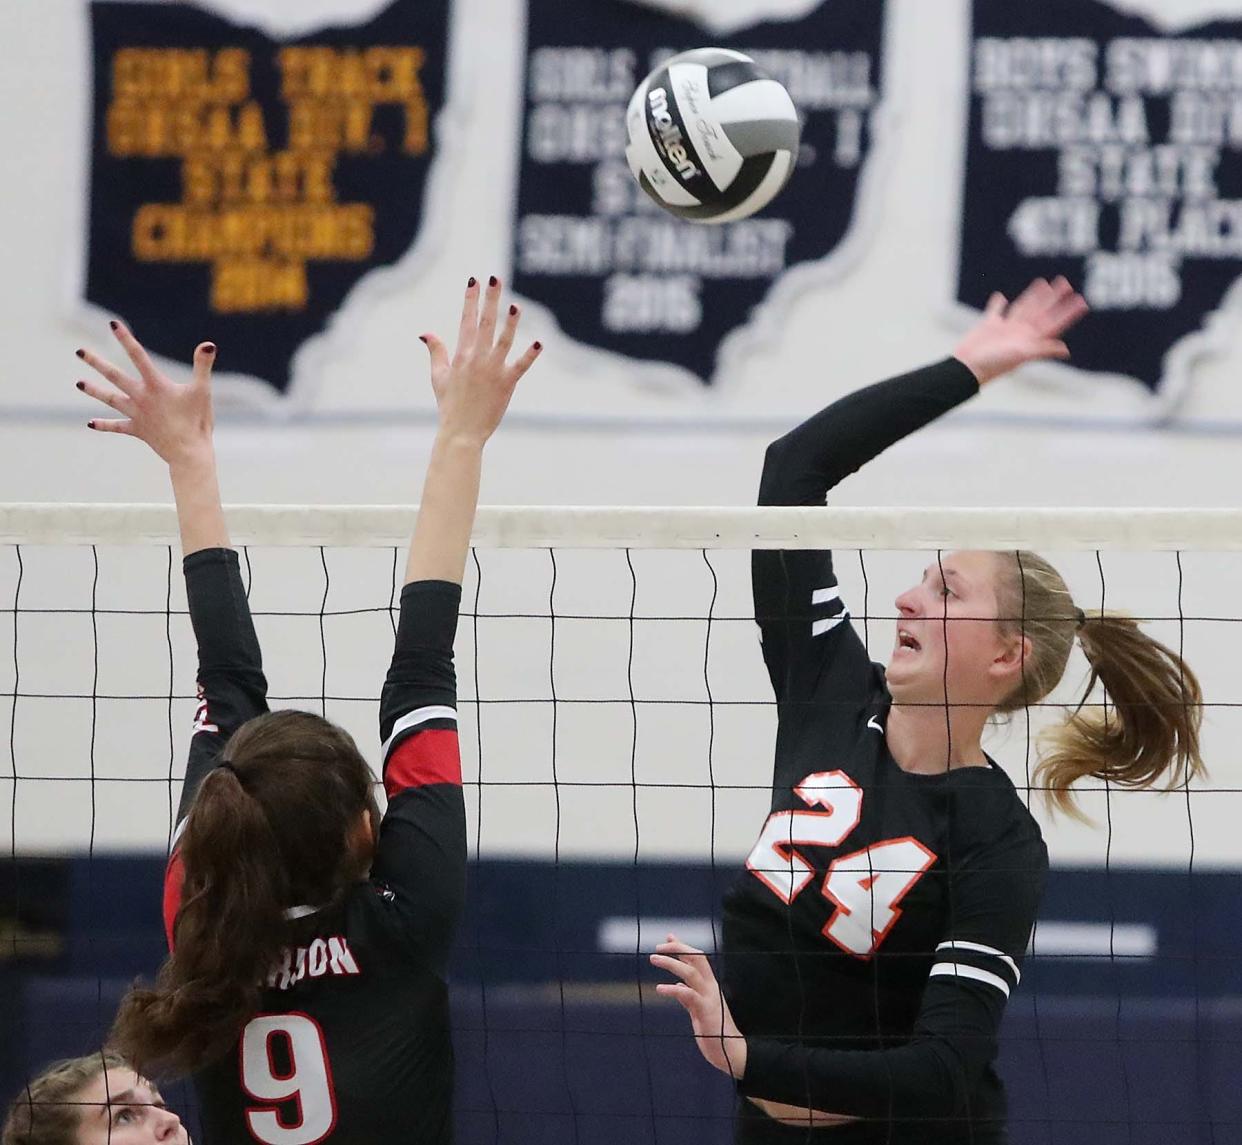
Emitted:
<point x="880" y="927"/>
<point x="308" y="937"/>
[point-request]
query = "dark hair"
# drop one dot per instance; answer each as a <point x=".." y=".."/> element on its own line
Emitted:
<point x="1154" y="710"/>
<point x="48" y="1111"/>
<point x="271" y="830"/>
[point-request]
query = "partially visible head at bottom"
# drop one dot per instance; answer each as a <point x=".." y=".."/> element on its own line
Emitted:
<point x="993" y="632"/>
<point x="92" y="1100"/>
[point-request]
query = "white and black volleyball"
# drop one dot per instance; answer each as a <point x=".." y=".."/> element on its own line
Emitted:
<point x="711" y="136"/>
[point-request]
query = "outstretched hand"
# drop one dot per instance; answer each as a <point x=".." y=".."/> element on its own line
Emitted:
<point x="1026" y="330"/>
<point x="174" y="419"/>
<point x="474" y="386"/>
<point x="717" y="1035"/>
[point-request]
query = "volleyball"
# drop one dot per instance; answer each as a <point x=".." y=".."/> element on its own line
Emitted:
<point x="711" y="137"/>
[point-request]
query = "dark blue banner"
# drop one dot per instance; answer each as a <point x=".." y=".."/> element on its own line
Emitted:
<point x="617" y="271"/>
<point x="1106" y="149"/>
<point x="242" y="186"/>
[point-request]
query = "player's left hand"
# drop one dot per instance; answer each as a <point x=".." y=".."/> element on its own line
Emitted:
<point x="719" y="1039"/>
<point x="473" y="385"/>
<point x="1026" y="330"/>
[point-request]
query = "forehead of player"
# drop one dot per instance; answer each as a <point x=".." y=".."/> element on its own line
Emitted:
<point x="963" y="573"/>
<point x="118" y="1107"/>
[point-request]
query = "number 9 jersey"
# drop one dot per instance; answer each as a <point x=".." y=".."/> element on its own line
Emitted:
<point x="352" y="1044"/>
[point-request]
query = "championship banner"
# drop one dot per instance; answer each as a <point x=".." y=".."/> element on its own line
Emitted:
<point x="1108" y="150"/>
<point x="242" y="186"/>
<point x="616" y="271"/>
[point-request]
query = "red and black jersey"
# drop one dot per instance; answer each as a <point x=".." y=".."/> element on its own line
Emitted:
<point x="879" y="929"/>
<point x="352" y="1043"/>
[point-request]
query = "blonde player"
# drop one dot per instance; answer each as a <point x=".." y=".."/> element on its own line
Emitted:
<point x="94" y="1100"/>
<point x="879" y="929"/>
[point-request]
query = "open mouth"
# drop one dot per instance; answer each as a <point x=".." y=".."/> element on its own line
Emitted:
<point x="907" y="642"/>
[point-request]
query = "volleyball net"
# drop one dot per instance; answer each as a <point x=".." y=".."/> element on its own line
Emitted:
<point x="617" y="728"/>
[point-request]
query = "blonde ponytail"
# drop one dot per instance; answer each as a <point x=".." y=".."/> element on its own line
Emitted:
<point x="1148" y="728"/>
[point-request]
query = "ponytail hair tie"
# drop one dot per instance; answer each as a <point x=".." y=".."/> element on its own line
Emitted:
<point x="225" y="765"/>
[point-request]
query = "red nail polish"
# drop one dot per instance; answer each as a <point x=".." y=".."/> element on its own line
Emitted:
<point x="114" y="324"/>
<point x="512" y="309"/>
<point x="470" y="284"/>
<point x="210" y="348"/>
<point x="81" y="385"/>
<point x="423" y="339"/>
<point x="538" y="346"/>
<point x="80" y="353"/>
<point x="491" y="281"/>
<point x="90" y="425"/>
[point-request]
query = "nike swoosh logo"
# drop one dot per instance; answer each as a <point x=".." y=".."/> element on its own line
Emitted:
<point x="871" y="723"/>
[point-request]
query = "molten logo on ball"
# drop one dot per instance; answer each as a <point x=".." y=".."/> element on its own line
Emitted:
<point x="670" y="135"/>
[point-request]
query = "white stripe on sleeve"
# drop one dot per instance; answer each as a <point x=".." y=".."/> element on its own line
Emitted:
<point x="416" y="717"/>
<point x="979" y="948"/>
<point x="826" y="595"/>
<point x="961" y="970"/>
<point x="819" y="627"/>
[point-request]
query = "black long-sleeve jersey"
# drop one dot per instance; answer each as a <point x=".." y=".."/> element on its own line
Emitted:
<point x="352" y="1043"/>
<point x="872" y="943"/>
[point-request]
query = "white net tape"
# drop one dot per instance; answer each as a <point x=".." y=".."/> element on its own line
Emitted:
<point x="507" y="527"/>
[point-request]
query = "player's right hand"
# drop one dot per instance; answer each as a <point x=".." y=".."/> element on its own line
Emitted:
<point x="174" y="419"/>
<point x="716" y="1033"/>
<point x="1011" y="334"/>
<point x="473" y="387"/>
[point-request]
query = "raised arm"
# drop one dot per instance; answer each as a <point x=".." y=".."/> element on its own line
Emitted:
<point x="176" y="421"/>
<point x="472" y="389"/>
<point x="800" y="614"/>
<point x="802" y="618"/>
<point x="421" y="856"/>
